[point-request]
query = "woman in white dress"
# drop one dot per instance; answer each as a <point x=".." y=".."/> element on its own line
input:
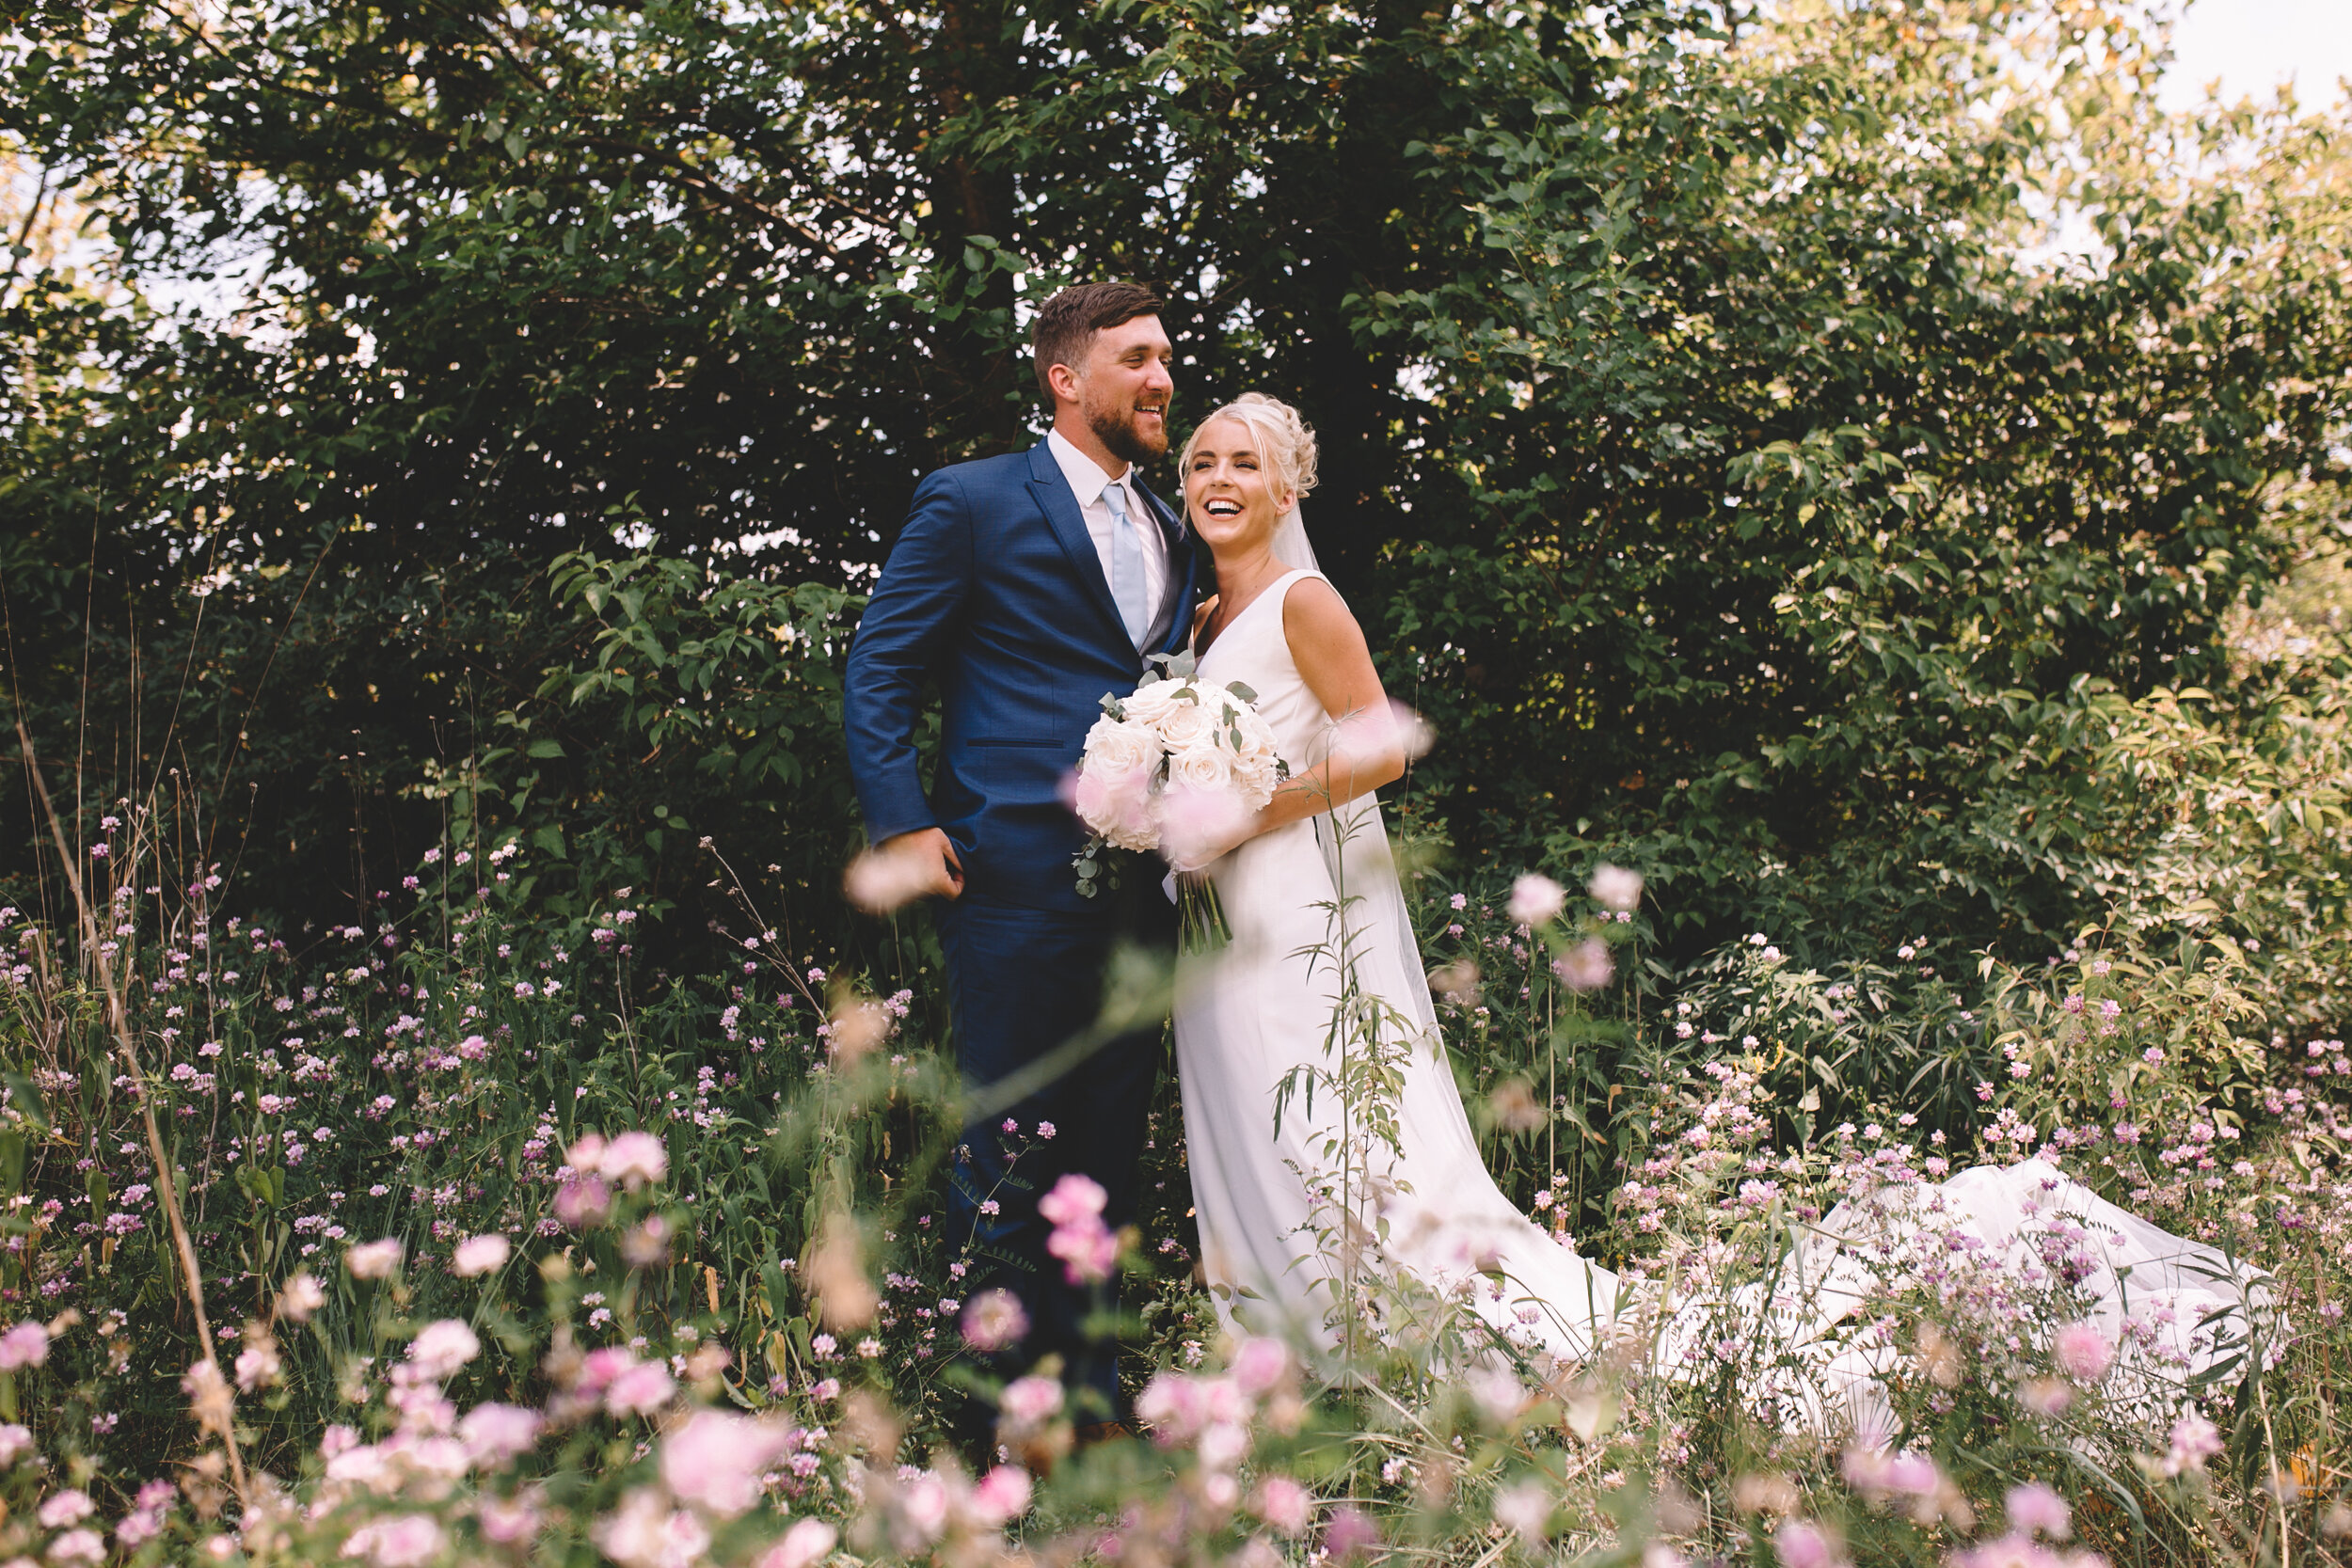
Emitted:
<point x="1328" y="1141"/>
<point x="1277" y="1195"/>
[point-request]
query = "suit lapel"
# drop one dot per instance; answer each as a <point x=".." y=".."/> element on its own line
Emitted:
<point x="1061" y="512"/>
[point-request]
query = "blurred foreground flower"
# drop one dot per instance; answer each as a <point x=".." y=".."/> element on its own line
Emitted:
<point x="300" y="1297"/>
<point x="1373" y="734"/>
<point x="1029" y="1402"/>
<point x="634" y="1160"/>
<point x="1284" y="1504"/>
<point x="2082" y="1353"/>
<point x="1800" y="1543"/>
<point x="373" y="1259"/>
<point x="845" y="1298"/>
<point x="1456" y="983"/>
<point x="1085" y="1244"/>
<point x="1586" y="966"/>
<point x="1199" y="825"/>
<point x="1514" y="1106"/>
<point x="646" y="1532"/>
<point x="2035" y="1507"/>
<point x="1616" y="889"/>
<point x="481" y="1255"/>
<point x="440" y="1348"/>
<point x="880" y="882"/>
<point x="582" y="1201"/>
<point x="210" y="1397"/>
<point x="995" y="1320"/>
<point x="714" y="1460"/>
<point x="1536" y="899"/>
<point x="2195" y="1440"/>
<point x="858" y="1024"/>
<point x="403" y="1541"/>
<point x="1524" y="1508"/>
<point x="26" y="1344"/>
<point x="808" y="1541"/>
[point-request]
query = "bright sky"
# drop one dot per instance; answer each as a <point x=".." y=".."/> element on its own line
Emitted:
<point x="2254" y="44"/>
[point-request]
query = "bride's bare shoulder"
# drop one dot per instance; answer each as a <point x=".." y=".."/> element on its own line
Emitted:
<point x="1314" y="617"/>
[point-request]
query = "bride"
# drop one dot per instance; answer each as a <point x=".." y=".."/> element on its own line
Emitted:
<point x="1328" y="1141"/>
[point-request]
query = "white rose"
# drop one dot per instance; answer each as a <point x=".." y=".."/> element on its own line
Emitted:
<point x="1202" y="768"/>
<point x="1187" y="725"/>
<point x="1152" y="701"/>
<point x="1256" y="735"/>
<point x="1115" y="750"/>
<point x="1254" y="780"/>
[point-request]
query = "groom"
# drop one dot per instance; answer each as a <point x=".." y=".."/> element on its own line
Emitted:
<point x="1027" y="586"/>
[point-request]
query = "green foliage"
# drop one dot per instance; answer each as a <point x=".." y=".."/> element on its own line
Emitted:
<point x="1698" y="446"/>
<point x="1778" y="522"/>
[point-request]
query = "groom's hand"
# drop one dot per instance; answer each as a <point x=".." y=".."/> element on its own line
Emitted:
<point x="920" y="864"/>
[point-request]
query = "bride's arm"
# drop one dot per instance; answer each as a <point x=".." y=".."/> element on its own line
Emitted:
<point x="1368" y="751"/>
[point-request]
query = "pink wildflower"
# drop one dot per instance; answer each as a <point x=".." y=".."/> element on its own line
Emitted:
<point x="24" y="1345"/>
<point x="1537" y="900"/>
<point x="2035" y="1506"/>
<point x="994" y="1320"/>
<point x="808" y="1541"/>
<point x="1029" y="1402"/>
<point x="2083" y="1352"/>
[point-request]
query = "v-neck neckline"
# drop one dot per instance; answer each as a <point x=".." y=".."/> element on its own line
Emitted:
<point x="1264" y="594"/>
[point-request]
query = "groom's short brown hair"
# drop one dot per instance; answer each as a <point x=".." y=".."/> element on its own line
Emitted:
<point x="1066" y="323"/>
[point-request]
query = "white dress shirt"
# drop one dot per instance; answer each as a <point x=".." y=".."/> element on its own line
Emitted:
<point x="1088" y="482"/>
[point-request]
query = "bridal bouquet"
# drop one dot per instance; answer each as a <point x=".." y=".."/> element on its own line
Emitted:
<point x="1175" y="767"/>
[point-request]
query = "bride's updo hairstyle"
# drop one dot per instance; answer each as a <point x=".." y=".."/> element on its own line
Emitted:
<point x="1285" y="444"/>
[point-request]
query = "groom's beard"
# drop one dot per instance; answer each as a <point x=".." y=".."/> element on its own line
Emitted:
<point x="1129" y="436"/>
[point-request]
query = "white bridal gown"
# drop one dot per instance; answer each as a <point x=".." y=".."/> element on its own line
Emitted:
<point x="1253" y="1014"/>
<point x="1263" y="1006"/>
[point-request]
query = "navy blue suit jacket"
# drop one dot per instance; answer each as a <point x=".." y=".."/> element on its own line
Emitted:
<point x="995" y="587"/>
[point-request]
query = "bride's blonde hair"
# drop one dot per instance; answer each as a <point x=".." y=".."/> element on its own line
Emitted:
<point x="1285" y="443"/>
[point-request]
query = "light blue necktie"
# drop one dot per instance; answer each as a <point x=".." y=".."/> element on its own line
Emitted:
<point x="1127" y="589"/>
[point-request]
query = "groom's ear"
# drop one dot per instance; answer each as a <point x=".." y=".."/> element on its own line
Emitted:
<point x="1063" y="382"/>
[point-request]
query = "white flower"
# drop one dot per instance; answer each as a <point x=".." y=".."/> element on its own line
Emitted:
<point x="1202" y="768"/>
<point x="1536" y="898"/>
<point x="301" y="1296"/>
<point x="1615" y="888"/>
<point x="714" y="1459"/>
<point x="440" y="1348"/>
<point x="806" y="1542"/>
<point x="77" y="1545"/>
<point x="497" y="1434"/>
<point x="646" y="1532"/>
<point x="1114" y="749"/>
<point x="373" y="1259"/>
<point x="633" y="1158"/>
<point x="1185" y="726"/>
<point x="1586" y="966"/>
<point x="480" y="1255"/>
<point x="1524" y="1509"/>
<point x="1152" y="701"/>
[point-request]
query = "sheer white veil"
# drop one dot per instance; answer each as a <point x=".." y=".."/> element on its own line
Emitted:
<point x="1290" y="541"/>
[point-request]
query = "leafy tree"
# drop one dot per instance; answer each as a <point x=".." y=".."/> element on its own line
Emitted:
<point x="1710" y="464"/>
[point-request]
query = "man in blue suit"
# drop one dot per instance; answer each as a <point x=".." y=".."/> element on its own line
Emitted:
<point x="1027" y="586"/>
